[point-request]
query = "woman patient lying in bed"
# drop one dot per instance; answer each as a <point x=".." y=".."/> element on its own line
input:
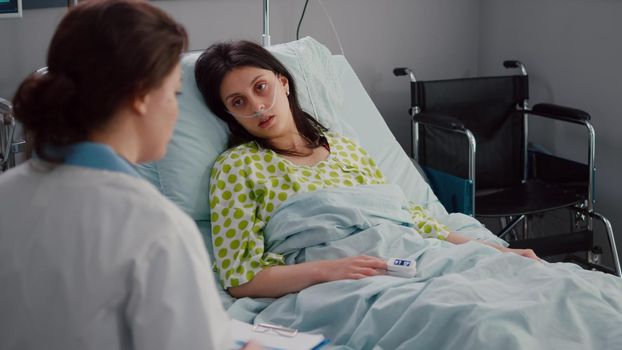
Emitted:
<point x="298" y="208"/>
<point x="278" y="150"/>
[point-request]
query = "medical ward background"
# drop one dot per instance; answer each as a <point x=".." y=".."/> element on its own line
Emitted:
<point x="571" y="48"/>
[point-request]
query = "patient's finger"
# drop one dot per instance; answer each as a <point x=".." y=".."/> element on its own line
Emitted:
<point x="378" y="264"/>
<point x="252" y="346"/>
<point x="531" y="254"/>
<point x="370" y="261"/>
<point x="368" y="271"/>
<point x="374" y="261"/>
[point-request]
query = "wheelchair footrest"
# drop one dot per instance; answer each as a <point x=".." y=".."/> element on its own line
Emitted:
<point x="557" y="244"/>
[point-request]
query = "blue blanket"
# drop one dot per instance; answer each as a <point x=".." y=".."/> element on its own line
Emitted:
<point x="467" y="296"/>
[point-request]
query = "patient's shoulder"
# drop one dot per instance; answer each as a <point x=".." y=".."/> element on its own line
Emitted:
<point x="338" y="138"/>
<point x="238" y="157"/>
<point x="238" y="152"/>
<point x="339" y="141"/>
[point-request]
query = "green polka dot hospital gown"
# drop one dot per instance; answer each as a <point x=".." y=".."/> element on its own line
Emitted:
<point x="248" y="183"/>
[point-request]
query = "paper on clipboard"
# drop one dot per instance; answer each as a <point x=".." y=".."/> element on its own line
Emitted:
<point x="270" y="340"/>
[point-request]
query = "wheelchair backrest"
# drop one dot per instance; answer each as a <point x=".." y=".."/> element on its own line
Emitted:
<point x="488" y="108"/>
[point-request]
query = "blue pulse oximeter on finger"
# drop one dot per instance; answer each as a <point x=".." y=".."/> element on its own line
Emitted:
<point x="401" y="267"/>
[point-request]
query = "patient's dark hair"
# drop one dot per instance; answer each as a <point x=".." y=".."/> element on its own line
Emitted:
<point x="103" y="54"/>
<point x="220" y="59"/>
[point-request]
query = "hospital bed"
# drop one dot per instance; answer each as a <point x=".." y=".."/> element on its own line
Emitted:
<point x="330" y="90"/>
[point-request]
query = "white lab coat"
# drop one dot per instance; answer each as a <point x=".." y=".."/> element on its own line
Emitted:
<point x="96" y="259"/>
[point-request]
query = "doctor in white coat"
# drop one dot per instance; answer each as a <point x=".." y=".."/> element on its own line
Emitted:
<point x="91" y="255"/>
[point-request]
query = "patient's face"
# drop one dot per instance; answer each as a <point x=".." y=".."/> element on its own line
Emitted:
<point x="257" y="99"/>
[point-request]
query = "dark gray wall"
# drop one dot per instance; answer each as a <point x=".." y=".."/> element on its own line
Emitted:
<point x="23" y="45"/>
<point x="438" y="38"/>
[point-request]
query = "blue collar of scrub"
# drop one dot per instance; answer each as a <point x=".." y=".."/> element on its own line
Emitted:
<point x="97" y="156"/>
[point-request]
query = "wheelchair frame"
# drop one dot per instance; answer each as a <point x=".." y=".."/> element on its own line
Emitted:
<point x="558" y="113"/>
<point x="8" y="146"/>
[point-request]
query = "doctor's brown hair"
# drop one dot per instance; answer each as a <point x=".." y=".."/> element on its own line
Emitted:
<point x="103" y="54"/>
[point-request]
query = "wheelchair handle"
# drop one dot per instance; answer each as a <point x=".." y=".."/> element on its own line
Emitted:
<point x="515" y="64"/>
<point x="511" y="64"/>
<point x="414" y="97"/>
<point x="400" y="71"/>
<point x="5" y="107"/>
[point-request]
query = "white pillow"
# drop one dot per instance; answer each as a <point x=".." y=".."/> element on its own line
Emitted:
<point x="319" y="89"/>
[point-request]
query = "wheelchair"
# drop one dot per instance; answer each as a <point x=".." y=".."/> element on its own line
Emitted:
<point x="500" y="176"/>
<point x="9" y="147"/>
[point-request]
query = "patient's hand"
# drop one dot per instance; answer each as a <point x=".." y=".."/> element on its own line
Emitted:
<point x="528" y="253"/>
<point x="252" y="346"/>
<point x="457" y="238"/>
<point x="353" y="268"/>
<point x="276" y="281"/>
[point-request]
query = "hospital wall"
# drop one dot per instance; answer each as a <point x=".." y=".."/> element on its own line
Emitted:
<point x="437" y="37"/>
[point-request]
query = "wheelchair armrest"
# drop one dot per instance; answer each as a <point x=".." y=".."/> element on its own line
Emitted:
<point x="440" y="120"/>
<point x="553" y="111"/>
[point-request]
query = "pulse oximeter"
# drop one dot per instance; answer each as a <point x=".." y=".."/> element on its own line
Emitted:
<point x="401" y="267"/>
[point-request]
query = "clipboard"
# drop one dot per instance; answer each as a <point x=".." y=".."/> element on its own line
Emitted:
<point x="274" y="337"/>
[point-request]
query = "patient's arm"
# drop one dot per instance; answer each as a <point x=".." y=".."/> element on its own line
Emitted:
<point x="427" y="225"/>
<point x="456" y="238"/>
<point x="276" y="281"/>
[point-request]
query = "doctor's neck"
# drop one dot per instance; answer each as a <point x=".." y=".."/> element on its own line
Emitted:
<point x="122" y="136"/>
